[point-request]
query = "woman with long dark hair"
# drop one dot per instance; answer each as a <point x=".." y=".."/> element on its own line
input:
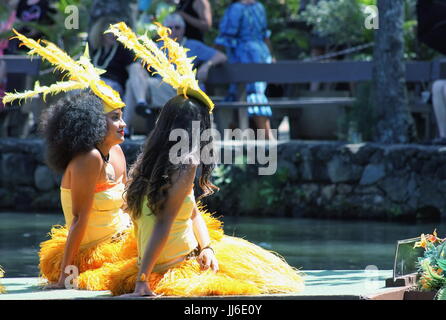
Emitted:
<point x="182" y="250"/>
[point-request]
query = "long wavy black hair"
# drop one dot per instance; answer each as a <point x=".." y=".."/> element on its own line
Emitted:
<point x="75" y="124"/>
<point x="151" y="174"/>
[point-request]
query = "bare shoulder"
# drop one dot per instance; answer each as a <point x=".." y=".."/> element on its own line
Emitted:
<point x="118" y="151"/>
<point x="184" y="177"/>
<point x="117" y="148"/>
<point x="91" y="160"/>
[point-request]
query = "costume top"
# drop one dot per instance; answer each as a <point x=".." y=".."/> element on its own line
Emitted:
<point x="106" y="217"/>
<point x="181" y="240"/>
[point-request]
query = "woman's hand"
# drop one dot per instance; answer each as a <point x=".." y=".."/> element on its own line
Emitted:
<point x="142" y="289"/>
<point x="60" y="284"/>
<point x="207" y="259"/>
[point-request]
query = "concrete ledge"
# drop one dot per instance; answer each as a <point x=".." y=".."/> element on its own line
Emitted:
<point x="319" y="285"/>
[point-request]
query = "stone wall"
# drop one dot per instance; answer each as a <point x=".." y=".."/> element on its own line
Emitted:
<point x="313" y="179"/>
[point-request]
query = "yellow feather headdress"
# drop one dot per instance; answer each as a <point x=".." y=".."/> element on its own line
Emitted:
<point x="82" y="74"/>
<point x="175" y="68"/>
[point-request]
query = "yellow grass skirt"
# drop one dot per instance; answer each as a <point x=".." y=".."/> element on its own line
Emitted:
<point x="89" y="257"/>
<point x="244" y="269"/>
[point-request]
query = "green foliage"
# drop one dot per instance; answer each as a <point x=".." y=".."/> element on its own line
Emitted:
<point x="67" y="39"/>
<point x="360" y="116"/>
<point x="263" y="195"/>
<point x="341" y="21"/>
<point x="441" y="294"/>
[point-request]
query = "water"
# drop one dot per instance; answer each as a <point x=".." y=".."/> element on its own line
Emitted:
<point x="305" y="243"/>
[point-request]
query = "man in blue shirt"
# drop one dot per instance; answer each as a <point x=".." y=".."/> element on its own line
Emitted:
<point x="144" y="91"/>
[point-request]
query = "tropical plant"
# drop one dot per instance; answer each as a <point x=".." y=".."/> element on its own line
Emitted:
<point x="432" y="265"/>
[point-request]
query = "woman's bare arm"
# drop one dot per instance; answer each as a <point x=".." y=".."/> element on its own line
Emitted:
<point x="177" y="193"/>
<point x="203" y="9"/>
<point x="84" y="176"/>
<point x="206" y="258"/>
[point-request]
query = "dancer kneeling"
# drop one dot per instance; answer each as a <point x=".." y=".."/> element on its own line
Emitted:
<point x="182" y="250"/>
<point x="82" y="133"/>
<point x="83" y="143"/>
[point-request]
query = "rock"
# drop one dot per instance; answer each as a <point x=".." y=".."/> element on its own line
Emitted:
<point x="57" y="178"/>
<point x="291" y="168"/>
<point x="6" y="198"/>
<point x="47" y="201"/>
<point x="341" y="171"/>
<point x="306" y="165"/>
<point x="441" y="172"/>
<point x="367" y="190"/>
<point x="363" y="154"/>
<point x="395" y="188"/>
<point x="378" y="199"/>
<point x="310" y="190"/>
<point x="429" y="168"/>
<point x="18" y="169"/>
<point x="44" y="178"/>
<point x="23" y="198"/>
<point x="429" y="194"/>
<point x="344" y="188"/>
<point x="372" y="173"/>
<point x="328" y="192"/>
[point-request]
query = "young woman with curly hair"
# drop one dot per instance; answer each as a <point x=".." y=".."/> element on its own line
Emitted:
<point x="182" y="250"/>
<point x="82" y="143"/>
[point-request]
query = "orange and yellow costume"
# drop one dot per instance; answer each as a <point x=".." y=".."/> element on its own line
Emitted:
<point x="244" y="268"/>
<point x="109" y="237"/>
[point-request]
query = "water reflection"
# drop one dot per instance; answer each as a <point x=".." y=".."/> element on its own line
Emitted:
<point x="305" y="243"/>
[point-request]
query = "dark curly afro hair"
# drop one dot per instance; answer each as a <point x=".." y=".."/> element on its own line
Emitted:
<point x="74" y="125"/>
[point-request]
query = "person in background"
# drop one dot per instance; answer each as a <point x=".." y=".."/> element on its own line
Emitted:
<point x="8" y="17"/>
<point x="108" y="54"/>
<point x="37" y="11"/>
<point x="143" y="5"/>
<point x="6" y="23"/>
<point x="144" y="91"/>
<point x="431" y="30"/>
<point x="198" y="17"/>
<point x="244" y="34"/>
